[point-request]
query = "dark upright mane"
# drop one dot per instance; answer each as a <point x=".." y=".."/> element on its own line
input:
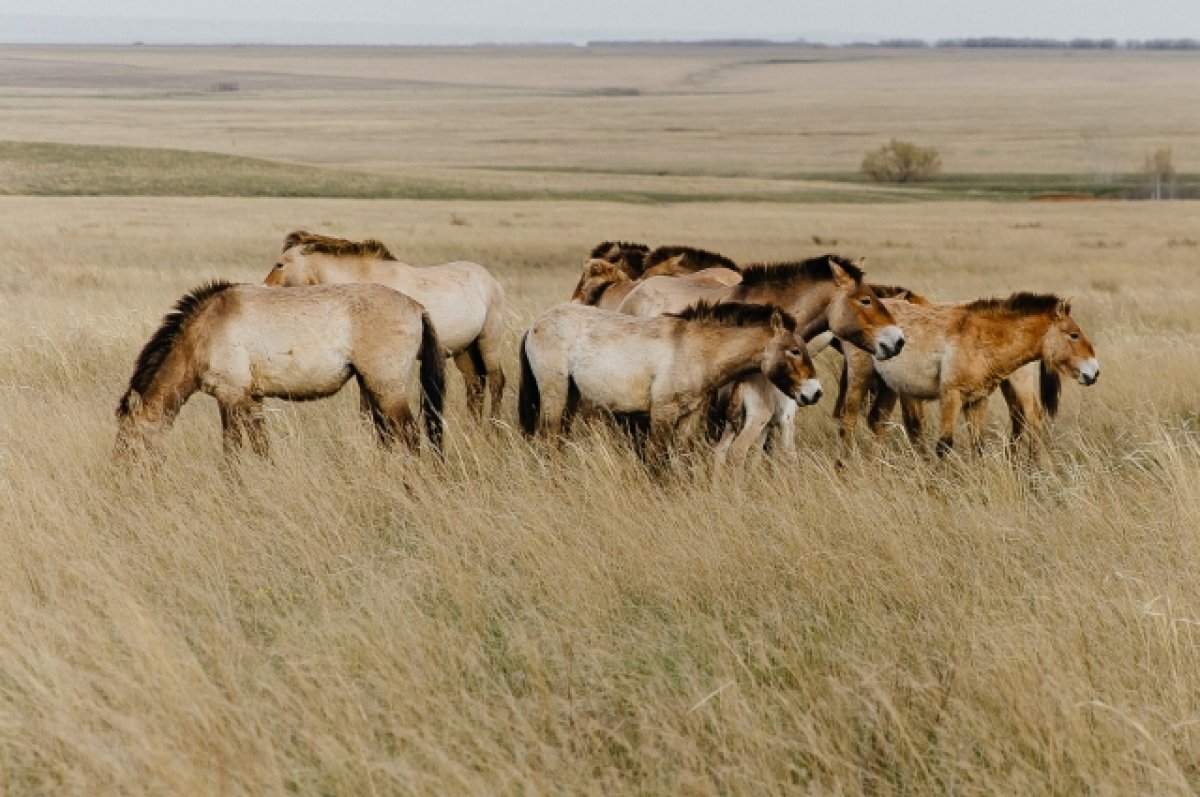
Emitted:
<point x="314" y="243"/>
<point x="816" y="268"/>
<point x="1022" y="303"/>
<point x="608" y="250"/>
<point x="700" y="258"/>
<point x="735" y="314"/>
<point x="155" y="352"/>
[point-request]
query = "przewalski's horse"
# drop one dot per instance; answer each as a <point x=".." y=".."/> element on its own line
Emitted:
<point x="824" y="293"/>
<point x="958" y="353"/>
<point x="628" y="256"/>
<point x="665" y="366"/>
<point x="1031" y="392"/>
<point x="243" y="343"/>
<point x="605" y="282"/>
<point x="463" y="299"/>
<point x="674" y="261"/>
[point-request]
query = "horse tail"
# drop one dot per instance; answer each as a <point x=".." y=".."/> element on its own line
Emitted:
<point x="529" y="399"/>
<point x="1049" y="388"/>
<point x="433" y="382"/>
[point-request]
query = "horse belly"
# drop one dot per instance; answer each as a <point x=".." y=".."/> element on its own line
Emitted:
<point x="290" y="376"/>
<point x="916" y="377"/>
<point x="620" y="385"/>
<point x="455" y="308"/>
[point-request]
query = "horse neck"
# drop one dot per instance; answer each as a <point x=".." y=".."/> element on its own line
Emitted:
<point x="806" y="299"/>
<point x="1013" y="342"/>
<point x="728" y="353"/>
<point x="351" y="269"/>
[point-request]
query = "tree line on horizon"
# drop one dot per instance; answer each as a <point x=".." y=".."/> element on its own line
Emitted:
<point x="982" y="42"/>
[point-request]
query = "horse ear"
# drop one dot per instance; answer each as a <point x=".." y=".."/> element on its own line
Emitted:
<point x="1064" y="307"/>
<point x="840" y="277"/>
<point x="134" y="402"/>
<point x="776" y="320"/>
<point x="861" y="262"/>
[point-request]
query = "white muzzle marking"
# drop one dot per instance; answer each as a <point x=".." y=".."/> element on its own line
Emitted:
<point x="809" y="392"/>
<point x="1089" y="372"/>
<point x="888" y="342"/>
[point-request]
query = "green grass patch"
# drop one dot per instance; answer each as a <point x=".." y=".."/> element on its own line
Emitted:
<point x="47" y="169"/>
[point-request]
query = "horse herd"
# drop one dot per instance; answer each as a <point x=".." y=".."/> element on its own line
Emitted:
<point x="673" y="343"/>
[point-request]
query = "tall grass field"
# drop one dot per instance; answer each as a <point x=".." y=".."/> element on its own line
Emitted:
<point x="340" y="620"/>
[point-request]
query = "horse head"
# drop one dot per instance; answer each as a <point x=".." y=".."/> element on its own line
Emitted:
<point x="595" y="279"/>
<point x="787" y="363"/>
<point x="857" y="316"/>
<point x="1067" y="350"/>
<point x="291" y="269"/>
<point x="137" y="427"/>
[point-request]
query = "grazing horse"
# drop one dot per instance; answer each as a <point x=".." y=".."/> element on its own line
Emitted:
<point x="959" y="353"/>
<point x="243" y="343"/>
<point x="608" y="277"/>
<point x="463" y="299"/>
<point x="665" y="366"/>
<point x="823" y="293"/>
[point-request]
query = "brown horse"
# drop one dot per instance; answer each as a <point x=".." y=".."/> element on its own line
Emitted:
<point x="243" y="343"/>
<point x="1031" y="392"/>
<point x="463" y="299"/>
<point x="615" y="269"/>
<point x="959" y="353"/>
<point x="673" y="261"/>
<point x="665" y="366"/>
<point x="628" y="256"/>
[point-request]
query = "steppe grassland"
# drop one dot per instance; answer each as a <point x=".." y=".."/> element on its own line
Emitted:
<point x="338" y="621"/>
<point x="748" y="112"/>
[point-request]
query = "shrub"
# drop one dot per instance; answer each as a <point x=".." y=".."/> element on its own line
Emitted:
<point x="901" y="162"/>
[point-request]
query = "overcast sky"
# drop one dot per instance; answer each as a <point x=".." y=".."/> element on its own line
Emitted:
<point x="534" y="20"/>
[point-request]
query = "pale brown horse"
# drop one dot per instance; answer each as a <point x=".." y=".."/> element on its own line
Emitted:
<point x="665" y="366"/>
<point x="958" y="353"/>
<point x="243" y="343"/>
<point x="464" y="300"/>
<point x="826" y="293"/>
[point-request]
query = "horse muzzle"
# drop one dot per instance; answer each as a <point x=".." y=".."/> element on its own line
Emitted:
<point x="888" y="343"/>
<point x="1089" y="372"/>
<point x="809" y="392"/>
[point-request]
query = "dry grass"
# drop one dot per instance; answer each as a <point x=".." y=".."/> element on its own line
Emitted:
<point x="339" y="621"/>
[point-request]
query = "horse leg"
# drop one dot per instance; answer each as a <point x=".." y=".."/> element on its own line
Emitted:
<point x="256" y="429"/>
<point x="881" y="408"/>
<point x="951" y="405"/>
<point x="391" y="414"/>
<point x="555" y="393"/>
<point x="488" y="349"/>
<point x="240" y="416"/>
<point x="231" y="429"/>
<point x="749" y="437"/>
<point x="975" y="414"/>
<point x="473" y="379"/>
<point x="664" y="418"/>
<point x="854" y="381"/>
<point x="572" y="406"/>
<point x="913" y="412"/>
